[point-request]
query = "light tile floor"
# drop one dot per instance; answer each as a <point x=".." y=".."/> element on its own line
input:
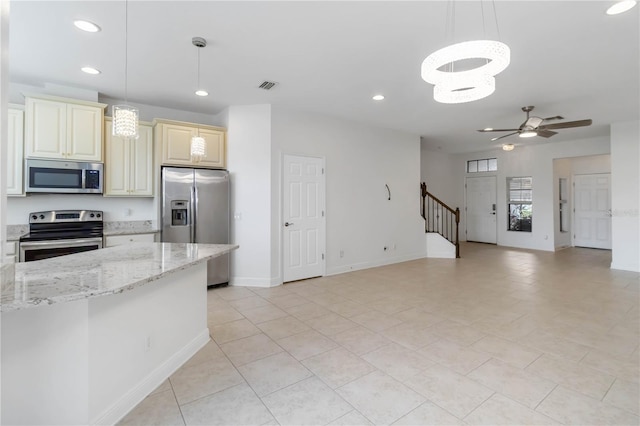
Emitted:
<point x="501" y="336"/>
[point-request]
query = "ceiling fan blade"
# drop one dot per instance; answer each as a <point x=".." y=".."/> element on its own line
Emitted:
<point x="567" y="125"/>
<point x="557" y="117"/>
<point x="498" y="130"/>
<point x="545" y="133"/>
<point x="504" y="136"/>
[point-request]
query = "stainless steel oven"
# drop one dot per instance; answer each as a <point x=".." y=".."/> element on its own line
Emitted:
<point x="61" y="232"/>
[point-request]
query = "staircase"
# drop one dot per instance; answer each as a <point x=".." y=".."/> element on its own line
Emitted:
<point x="440" y="218"/>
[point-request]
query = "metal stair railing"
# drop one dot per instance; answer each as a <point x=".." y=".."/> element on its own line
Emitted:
<point x="439" y="217"/>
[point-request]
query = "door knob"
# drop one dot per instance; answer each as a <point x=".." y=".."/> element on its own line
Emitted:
<point x="288" y="224"/>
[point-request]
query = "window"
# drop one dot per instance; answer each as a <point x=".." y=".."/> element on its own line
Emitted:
<point x="484" y="165"/>
<point x="520" y="196"/>
<point x="564" y="209"/>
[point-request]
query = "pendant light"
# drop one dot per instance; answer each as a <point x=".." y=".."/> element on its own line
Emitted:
<point x="125" y="117"/>
<point x="453" y="86"/>
<point x="198" y="147"/>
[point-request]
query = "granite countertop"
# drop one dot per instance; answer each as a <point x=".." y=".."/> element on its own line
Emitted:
<point x="98" y="272"/>
<point x="129" y="228"/>
<point x="14" y="232"/>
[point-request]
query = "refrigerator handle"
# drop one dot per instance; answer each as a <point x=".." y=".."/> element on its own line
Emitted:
<point x="194" y="214"/>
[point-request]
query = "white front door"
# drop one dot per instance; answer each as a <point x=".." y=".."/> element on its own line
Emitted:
<point x="481" y="209"/>
<point x="303" y="217"/>
<point x="592" y="204"/>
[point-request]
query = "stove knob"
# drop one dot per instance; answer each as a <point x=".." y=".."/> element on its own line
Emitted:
<point x="41" y="216"/>
<point x="34" y="217"/>
<point x="91" y="215"/>
<point x="98" y="215"/>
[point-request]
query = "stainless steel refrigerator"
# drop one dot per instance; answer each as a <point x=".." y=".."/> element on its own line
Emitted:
<point x="195" y="209"/>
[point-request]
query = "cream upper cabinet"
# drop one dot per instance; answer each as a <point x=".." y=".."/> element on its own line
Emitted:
<point x="60" y="128"/>
<point x="175" y="139"/>
<point x="15" y="143"/>
<point x="129" y="163"/>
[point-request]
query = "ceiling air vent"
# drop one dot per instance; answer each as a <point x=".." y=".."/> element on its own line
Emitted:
<point x="267" y="85"/>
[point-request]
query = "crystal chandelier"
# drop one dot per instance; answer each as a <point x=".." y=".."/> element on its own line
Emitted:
<point x="125" y="117"/>
<point x="198" y="147"/>
<point x="453" y="86"/>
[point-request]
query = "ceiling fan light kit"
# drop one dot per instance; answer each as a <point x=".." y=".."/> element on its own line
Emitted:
<point x="535" y="126"/>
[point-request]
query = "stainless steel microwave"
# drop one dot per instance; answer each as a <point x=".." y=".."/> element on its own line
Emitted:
<point x="70" y="177"/>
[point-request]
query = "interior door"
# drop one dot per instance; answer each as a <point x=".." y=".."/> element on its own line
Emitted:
<point x="481" y="209"/>
<point x="303" y="217"/>
<point x="592" y="218"/>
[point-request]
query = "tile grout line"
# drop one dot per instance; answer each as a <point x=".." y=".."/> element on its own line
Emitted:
<point x="607" y="392"/>
<point x="545" y="397"/>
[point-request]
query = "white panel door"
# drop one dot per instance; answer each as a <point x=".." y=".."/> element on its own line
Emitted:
<point x="592" y="204"/>
<point x="303" y="217"/>
<point x="481" y="209"/>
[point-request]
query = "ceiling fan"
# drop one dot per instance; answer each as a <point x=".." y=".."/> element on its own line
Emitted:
<point x="533" y="126"/>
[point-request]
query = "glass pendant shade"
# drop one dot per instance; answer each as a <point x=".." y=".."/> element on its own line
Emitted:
<point x="125" y="121"/>
<point x="198" y="148"/>
<point x="529" y="133"/>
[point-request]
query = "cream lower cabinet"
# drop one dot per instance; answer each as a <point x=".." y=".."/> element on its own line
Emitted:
<point x="15" y="147"/>
<point x="60" y="128"/>
<point x="118" y="240"/>
<point x="128" y="163"/>
<point x="175" y="139"/>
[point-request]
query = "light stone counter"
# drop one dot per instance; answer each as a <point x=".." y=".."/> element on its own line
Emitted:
<point x="97" y="273"/>
<point x="129" y="227"/>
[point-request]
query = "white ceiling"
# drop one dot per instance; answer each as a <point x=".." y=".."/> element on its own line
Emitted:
<point x="567" y="58"/>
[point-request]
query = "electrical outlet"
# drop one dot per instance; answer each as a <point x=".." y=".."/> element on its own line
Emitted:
<point x="341" y="254"/>
<point x="394" y="247"/>
<point x="147" y="343"/>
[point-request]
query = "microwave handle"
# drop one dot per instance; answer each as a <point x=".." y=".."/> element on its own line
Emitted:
<point x="84" y="178"/>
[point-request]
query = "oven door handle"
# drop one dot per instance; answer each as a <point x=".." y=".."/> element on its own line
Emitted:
<point x="61" y="243"/>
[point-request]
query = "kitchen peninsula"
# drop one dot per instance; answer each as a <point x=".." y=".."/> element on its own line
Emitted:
<point x="86" y="336"/>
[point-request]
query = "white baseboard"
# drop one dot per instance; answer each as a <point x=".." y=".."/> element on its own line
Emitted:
<point x="254" y="282"/>
<point x="632" y="268"/>
<point x="131" y="399"/>
<point x="373" y="264"/>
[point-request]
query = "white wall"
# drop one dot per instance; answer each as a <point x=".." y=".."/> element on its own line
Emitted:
<point x="359" y="161"/>
<point x="115" y="209"/>
<point x="625" y="196"/>
<point x="249" y="164"/>
<point x="437" y="171"/>
<point x="534" y="160"/>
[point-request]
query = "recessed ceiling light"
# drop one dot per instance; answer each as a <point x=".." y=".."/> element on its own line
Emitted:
<point x="621" y="7"/>
<point x="378" y="98"/>
<point x="87" y="26"/>
<point x="202" y="93"/>
<point x="508" y="147"/>
<point x="90" y="70"/>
